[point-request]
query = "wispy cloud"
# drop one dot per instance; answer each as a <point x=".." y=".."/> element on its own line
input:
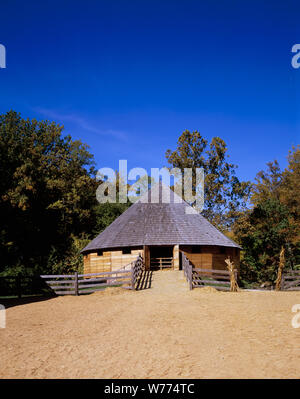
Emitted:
<point x="80" y="122"/>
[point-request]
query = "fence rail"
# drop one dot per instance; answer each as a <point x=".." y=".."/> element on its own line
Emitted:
<point x="187" y="270"/>
<point x="78" y="284"/>
<point x="197" y="278"/>
<point x="136" y="271"/>
<point x="290" y="280"/>
<point x="161" y="263"/>
<point x="22" y="285"/>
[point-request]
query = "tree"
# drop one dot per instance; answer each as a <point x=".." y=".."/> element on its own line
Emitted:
<point x="273" y="222"/>
<point x="262" y="232"/>
<point x="290" y="189"/>
<point x="47" y="191"/>
<point x="268" y="183"/>
<point x="225" y="196"/>
<point x="106" y="213"/>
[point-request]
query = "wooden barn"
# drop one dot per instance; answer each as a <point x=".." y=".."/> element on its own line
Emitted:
<point x="159" y="226"/>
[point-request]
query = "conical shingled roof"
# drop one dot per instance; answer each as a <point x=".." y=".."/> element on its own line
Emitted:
<point x="159" y="223"/>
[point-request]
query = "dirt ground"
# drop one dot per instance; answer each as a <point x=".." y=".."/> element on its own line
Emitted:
<point x="166" y="331"/>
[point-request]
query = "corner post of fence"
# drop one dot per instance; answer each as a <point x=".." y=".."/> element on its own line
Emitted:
<point x="18" y="285"/>
<point x="191" y="277"/>
<point x="76" y="283"/>
<point x="132" y="276"/>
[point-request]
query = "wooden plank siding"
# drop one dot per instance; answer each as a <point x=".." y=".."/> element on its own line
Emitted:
<point x="209" y="257"/>
<point x="109" y="261"/>
<point x="199" y="278"/>
<point x="212" y="257"/>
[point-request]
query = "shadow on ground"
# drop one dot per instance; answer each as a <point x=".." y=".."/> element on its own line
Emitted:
<point x="11" y="302"/>
<point x="145" y="281"/>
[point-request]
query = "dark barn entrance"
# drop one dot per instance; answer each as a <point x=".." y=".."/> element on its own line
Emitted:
<point x="161" y="257"/>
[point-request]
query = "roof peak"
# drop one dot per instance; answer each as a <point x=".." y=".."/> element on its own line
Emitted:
<point x="161" y="193"/>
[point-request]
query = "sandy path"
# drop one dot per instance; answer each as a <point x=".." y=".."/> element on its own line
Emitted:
<point x="165" y="331"/>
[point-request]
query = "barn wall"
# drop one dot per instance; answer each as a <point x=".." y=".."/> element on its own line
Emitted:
<point x="109" y="260"/>
<point x="212" y="257"/>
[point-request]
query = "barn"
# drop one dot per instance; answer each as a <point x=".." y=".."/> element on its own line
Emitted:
<point x="160" y="227"/>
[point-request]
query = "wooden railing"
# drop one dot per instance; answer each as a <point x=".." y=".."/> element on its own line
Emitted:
<point x="187" y="270"/>
<point x="136" y="271"/>
<point x="161" y="263"/>
<point x="197" y="278"/>
<point x="77" y="284"/>
<point x="290" y="280"/>
<point x="22" y="285"/>
<point x="218" y="279"/>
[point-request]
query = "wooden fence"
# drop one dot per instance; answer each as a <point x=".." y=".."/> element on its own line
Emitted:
<point x="78" y="284"/>
<point x="198" y="278"/>
<point x="136" y="271"/>
<point x="22" y="285"/>
<point x="161" y="263"/>
<point x="187" y="270"/>
<point x="290" y="280"/>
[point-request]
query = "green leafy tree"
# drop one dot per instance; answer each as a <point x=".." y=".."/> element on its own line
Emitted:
<point x="47" y="191"/>
<point x="267" y="183"/>
<point x="69" y="261"/>
<point x="225" y="196"/>
<point x="107" y="212"/>
<point x="273" y="222"/>
<point x="290" y="189"/>
<point x="261" y="232"/>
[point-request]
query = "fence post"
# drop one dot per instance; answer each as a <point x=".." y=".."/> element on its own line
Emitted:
<point x="191" y="276"/>
<point x="18" y="285"/>
<point x="76" y="283"/>
<point x="132" y="276"/>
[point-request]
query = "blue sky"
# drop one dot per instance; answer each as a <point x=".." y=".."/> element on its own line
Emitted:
<point x="127" y="77"/>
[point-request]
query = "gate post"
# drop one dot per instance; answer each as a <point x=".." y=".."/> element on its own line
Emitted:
<point x="133" y="276"/>
<point x="191" y="276"/>
<point x="76" y="283"/>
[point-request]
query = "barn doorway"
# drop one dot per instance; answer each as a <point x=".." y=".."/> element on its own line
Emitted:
<point x="161" y="257"/>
